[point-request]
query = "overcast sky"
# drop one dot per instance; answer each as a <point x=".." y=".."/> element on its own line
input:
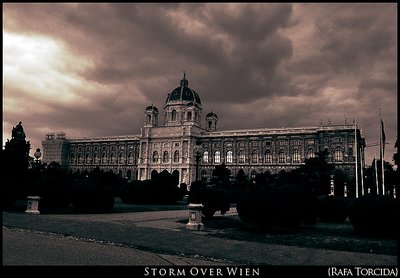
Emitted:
<point x="91" y="69"/>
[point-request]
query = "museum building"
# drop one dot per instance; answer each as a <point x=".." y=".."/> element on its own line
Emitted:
<point x="189" y="145"/>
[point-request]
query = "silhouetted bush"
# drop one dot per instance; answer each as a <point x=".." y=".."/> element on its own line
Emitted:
<point x="213" y="199"/>
<point x="150" y="192"/>
<point x="375" y="215"/>
<point x="9" y="191"/>
<point x="285" y="206"/>
<point x="333" y="209"/>
<point x="54" y="192"/>
<point x="89" y="197"/>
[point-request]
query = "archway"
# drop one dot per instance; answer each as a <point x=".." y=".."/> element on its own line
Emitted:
<point x="153" y="174"/>
<point x="175" y="175"/>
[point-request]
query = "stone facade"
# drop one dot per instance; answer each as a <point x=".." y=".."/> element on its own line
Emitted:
<point x="171" y="146"/>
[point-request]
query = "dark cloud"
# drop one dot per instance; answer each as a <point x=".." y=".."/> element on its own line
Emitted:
<point x="255" y="65"/>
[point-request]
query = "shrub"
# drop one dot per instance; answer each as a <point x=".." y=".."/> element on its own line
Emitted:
<point x="375" y="215"/>
<point x="285" y="206"/>
<point x="89" y="197"/>
<point x="54" y="192"/>
<point x="333" y="209"/>
<point x="213" y="199"/>
<point x="9" y="192"/>
<point x="150" y="191"/>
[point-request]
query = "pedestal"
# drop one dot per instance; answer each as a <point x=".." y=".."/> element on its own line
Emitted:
<point x="33" y="205"/>
<point x="195" y="217"/>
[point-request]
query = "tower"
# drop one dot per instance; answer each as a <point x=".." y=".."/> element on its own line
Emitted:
<point x="211" y="121"/>
<point x="151" y="116"/>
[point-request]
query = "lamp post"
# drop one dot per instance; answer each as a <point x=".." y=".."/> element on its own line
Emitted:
<point x="37" y="155"/>
<point x="197" y="157"/>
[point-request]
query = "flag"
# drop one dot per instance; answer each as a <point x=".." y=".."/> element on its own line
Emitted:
<point x="383" y="138"/>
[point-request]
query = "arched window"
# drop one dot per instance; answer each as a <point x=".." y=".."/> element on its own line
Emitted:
<point x="296" y="156"/>
<point x="254" y="157"/>
<point x="104" y="158"/>
<point x="242" y="157"/>
<point x="338" y="155"/>
<point x="310" y="153"/>
<point x="121" y="158"/>
<point x="130" y="158"/>
<point x="176" y="156"/>
<point x="189" y="116"/>
<point x="209" y="124"/>
<point x="205" y="157"/>
<point x="87" y="158"/>
<point x="95" y="158"/>
<point x="281" y="156"/>
<point x="112" y="158"/>
<point x="165" y="157"/>
<point x="80" y="158"/>
<point x="72" y="158"/>
<point x="155" y="156"/>
<point x="268" y="156"/>
<point x="173" y="115"/>
<point x="217" y="157"/>
<point x="229" y="157"/>
<point x="148" y="119"/>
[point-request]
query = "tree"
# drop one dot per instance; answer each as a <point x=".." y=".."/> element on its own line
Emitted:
<point x="221" y="176"/>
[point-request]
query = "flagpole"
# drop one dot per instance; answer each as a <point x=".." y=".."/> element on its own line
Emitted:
<point x="355" y="146"/>
<point x="362" y="172"/>
<point x="376" y="175"/>
<point x="381" y="145"/>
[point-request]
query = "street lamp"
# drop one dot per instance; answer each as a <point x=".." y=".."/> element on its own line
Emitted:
<point x="197" y="156"/>
<point x="37" y="155"/>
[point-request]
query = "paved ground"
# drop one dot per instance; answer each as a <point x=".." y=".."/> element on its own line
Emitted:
<point x="159" y="237"/>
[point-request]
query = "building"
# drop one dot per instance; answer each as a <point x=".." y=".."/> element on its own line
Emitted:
<point x="185" y="135"/>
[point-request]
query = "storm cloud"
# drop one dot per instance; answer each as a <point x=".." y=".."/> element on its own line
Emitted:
<point x="91" y="69"/>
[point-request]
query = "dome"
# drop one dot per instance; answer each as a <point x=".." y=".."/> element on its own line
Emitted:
<point x="212" y="114"/>
<point x="184" y="93"/>
<point x="151" y="107"/>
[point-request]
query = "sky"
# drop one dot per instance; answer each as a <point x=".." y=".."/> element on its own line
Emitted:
<point x="91" y="69"/>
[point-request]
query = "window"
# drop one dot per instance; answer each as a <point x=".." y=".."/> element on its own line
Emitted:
<point x="189" y="116"/>
<point x="268" y="156"/>
<point x="242" y="157"/>
<point x="229" y="157"/>
<point x="205" y="157"/>
<point x="296" y="156"/>
<point x="87" y="159"/>
<point x="310" y="153"/>
<point x="112" y="158"/>
<point x="253" y="175"/>
<point x="80" y="158"/>
<point x="173" y="115"/>
<point x="176" y="156"/>
<point x="254" y="157"/>
<point x="350" y="152"/>
<point x="130" y="158"/>
<point x="281" y="156"/>
<point x="155" y="157"/>
<point x="338" y="155"/>
<point x="95" y="158"/>
<point x="72" y="158"/>
<point x="121" y="158"/>
<point x="165" y="157"/>
<point x="204" y="175"/>
<point x="217" y="157"/>
<point x="104" y="158"/>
